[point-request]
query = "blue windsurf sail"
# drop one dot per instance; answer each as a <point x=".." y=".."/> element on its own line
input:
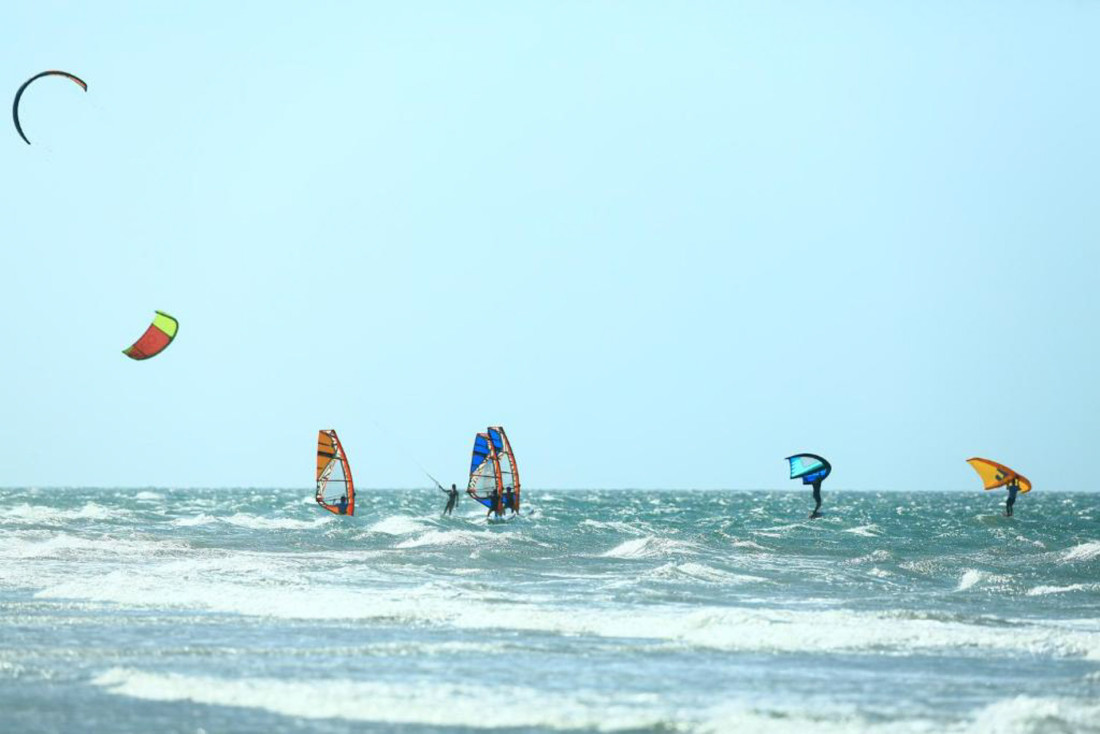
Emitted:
<point x="484" y="472"/>
<point x="809" y="468"/>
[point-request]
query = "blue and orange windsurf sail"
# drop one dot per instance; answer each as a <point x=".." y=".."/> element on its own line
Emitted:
<point x="509" y="472"/>
<point x="493" y="472"/>
<point x="996" y="475"/>
<point x="155" y="339"/>
<point x="335" y="488"/>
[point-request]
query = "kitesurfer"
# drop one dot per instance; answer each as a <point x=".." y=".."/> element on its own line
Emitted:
<point x="817" y="498"/>
<point x="342" y="505"/>
<point x="452" y="498"/>
<point x="1013" y="487"/>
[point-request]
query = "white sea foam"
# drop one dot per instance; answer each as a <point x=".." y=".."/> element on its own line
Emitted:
<point x="252" y="522"/>
<point x="1083" y="552"/>
<point x="435" y="704"/>
<point x="1026" y="714"/>
<point x="200" y="519"/>
<point x="453" y="538"/>
<point x="648" y="547"/>
<point x="701" y="572"/>
<point x="397" y="525"/>
<point x="148" y="496"/>
<point x="754" y="630"/>
<point x="444" y="705"/>
<point x="260" y="585"/>
<point x="65" y="546"/>
<point x="970" y="578"/>
<point x="629" y="528"/>
<point x="43" y="514"/>
<point x="1044" y="590"/>
<point x="877" y="556"/>
<point x="740" y="718"/>
<point x="777" y="530"/>
<point x="256" y="522"/>
<point x="867" y="531"/>
<point x="53" y="556"/>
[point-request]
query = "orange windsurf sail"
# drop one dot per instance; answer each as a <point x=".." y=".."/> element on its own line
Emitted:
<point x="335" y="488"/>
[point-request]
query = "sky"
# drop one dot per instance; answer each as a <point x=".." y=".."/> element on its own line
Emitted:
<point x="664" y="244"/>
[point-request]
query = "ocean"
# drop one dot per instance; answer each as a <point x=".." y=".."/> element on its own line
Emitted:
<point x="250" y="610"/>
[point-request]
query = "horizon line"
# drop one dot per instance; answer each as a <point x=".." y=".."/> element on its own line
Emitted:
<point x="307" y="491"/>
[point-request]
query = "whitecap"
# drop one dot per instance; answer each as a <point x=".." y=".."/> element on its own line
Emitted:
<point x="1044" y="590"/>
<point x="616" y="525"/>
<point x="648" y="547"/>
<point x="442" y="705"/>
<point x="200" y="519"/>
<point x="397" y="525"/>
<point x="701" y="572"/>
<point x="970" y="578"/>
<point x="256" y="522"/>
<point x="45" y="514"/>
<point x="449" y="538"/>
<point x="241" y="585"/>
<point x="1028" y="713"/>
<point x="867" y="531"/>
<point x="1083" y="552"/>
<point x="66" y="546"/>
<point x="877" y="556"/>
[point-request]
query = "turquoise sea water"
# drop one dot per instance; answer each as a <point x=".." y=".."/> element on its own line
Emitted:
<point x="253" y="611"/>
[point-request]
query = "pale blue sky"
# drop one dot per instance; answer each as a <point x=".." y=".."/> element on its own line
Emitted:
<point x="664" y="244"/>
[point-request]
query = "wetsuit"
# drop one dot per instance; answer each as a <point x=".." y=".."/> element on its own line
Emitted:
<point x="817" y="499"/>
<point x="342" y="505"/>
<point x="452" y="499"/>
<point x="1013" y="488"/>
<point x="510" y="500"/>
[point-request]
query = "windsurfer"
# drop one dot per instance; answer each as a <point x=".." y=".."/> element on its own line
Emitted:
<point x="510" y="499"/>
<point x="494" y="503"/>
<point x="452" y="499"/>
<point x="342" y="505"/>
<point x="1013" y="487"/>
<point x="817" y="498"/>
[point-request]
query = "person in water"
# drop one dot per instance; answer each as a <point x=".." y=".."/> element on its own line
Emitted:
<point x="1013" y="487"/>
<point x="817" y="498"/>
<point x="510" y="499"/>
<point x="342" y="505"/>
<point x="452" y="499"/>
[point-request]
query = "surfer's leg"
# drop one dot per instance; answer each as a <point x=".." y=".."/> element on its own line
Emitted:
<point x="817" y="500"/>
